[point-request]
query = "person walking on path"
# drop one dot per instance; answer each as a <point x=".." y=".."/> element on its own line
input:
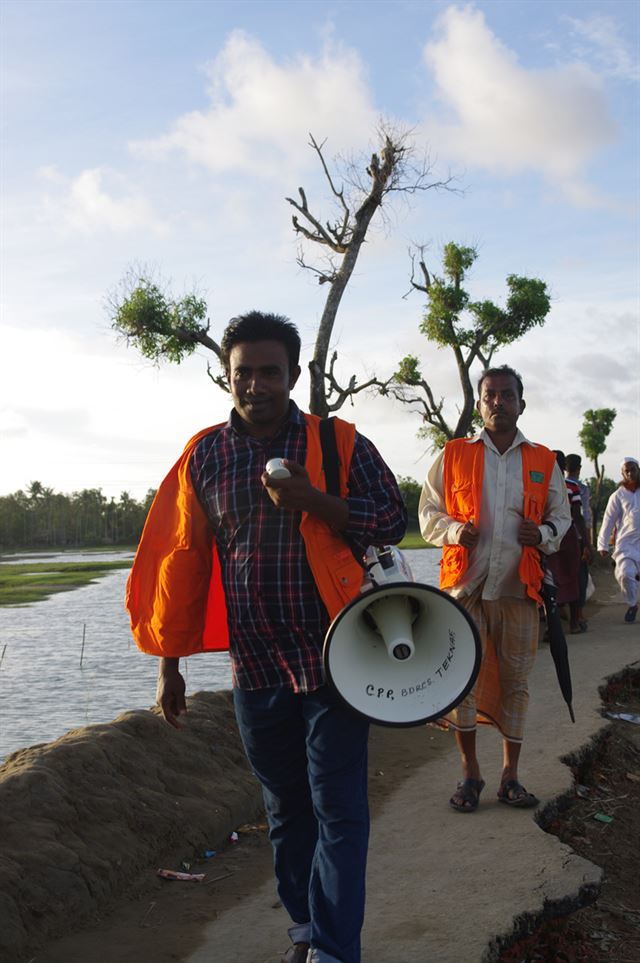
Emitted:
<point x="233" y="557"/>
<point x="494" y="502"/>
<point x="573" y="467"/>
<point x="622" y="521"/>
<point x="565" y="565"/>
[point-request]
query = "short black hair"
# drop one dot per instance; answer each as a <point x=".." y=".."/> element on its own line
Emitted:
<point x="260" y="326"/>
<point x="502" y="369"/>
<point x="573" y="462"/>
<point x="560" y="458"/>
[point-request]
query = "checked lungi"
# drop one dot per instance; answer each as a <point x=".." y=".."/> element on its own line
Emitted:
<point x="508" y="629"/>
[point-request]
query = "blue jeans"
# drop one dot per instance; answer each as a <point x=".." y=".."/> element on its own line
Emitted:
<point x="310" y="754"/>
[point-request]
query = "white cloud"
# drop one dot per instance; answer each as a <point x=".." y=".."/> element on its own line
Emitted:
<point x="86" y="413"/>
<point x="12" y="423"/>
<point x="609" y="48"/>
<point x="599" y="369"/>
<point x="261" y="111"/>
<point x="84" y="204"/>
<point x="510" y="118"/>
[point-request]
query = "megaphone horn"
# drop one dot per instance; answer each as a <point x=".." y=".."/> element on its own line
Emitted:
<point x="402" y="654"/>
<point x="392" y="616"/>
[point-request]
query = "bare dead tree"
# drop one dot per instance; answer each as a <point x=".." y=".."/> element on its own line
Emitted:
<point x="391" y="169"/>
<point x="163" y="328"/>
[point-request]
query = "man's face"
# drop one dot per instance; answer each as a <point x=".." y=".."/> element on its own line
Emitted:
<point x="499" y="404"/>
<point x="260" y="383"/>
<point x="631" y="472"/>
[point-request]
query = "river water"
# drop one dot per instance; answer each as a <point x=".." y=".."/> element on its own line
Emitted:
<point x="45" y="691"/>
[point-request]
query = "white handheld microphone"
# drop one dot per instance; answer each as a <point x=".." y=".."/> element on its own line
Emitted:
<point x="276" y="468"/>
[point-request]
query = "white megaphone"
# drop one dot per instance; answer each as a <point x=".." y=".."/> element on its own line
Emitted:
<point x="401" y="653"/>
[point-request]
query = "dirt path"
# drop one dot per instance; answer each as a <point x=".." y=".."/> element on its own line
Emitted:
<point x="166" y="921"/>
<point x="87" y="821"/>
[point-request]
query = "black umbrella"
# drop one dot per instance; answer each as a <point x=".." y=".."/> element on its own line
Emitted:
<point x="557" y="642"/>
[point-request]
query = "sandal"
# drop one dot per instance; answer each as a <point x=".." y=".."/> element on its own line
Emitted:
<point x="514" y="794"/>
<point x="468" y="793"/>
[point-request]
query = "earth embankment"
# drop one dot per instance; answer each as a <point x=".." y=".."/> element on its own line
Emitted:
<point x="83" y="817"/>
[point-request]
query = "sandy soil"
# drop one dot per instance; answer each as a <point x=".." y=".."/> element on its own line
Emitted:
<point x="85" y="820"/>
<point x="132" y="797"/>
<point x="600" y="820"/>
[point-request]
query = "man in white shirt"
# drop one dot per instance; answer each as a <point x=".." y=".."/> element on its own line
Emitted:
<point x="494" y="502"/>
<point x="622" y="516"/>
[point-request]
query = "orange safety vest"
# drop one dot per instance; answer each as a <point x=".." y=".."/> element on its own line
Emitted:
<point x="462" y="474"/>
<point x="174" y="595"/>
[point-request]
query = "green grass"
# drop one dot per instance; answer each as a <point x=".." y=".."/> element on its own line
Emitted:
<point x="33" y="582"/>
<point x="414" y="540"/>
<point x="25" y="551"/>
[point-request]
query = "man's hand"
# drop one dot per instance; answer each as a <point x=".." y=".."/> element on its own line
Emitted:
<point x="587" y="554"/>
<point x="295" y="493"/>
<point x="170" y="692"/>
<point x="529" y="533"/>
<point x="468" y="536"/>
<point x="604" y="553"/>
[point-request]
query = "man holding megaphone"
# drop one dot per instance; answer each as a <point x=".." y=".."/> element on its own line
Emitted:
<point x="244" y="549"/>
<point x="494" y="502"/>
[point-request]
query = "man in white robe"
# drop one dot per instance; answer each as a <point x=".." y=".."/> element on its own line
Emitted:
<point x="622" y="521"/>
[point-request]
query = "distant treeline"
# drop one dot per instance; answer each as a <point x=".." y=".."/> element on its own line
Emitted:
<point x="40" y="518"/>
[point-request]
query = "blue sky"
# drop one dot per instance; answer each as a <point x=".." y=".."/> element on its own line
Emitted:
<point x="170" y="133"/>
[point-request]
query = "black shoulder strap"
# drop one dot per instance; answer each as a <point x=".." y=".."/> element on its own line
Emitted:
<point x="330" y="460"/>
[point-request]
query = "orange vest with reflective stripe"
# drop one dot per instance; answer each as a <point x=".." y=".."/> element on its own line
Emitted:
<point x="462" y="474"/>
<point x="174" y="595"/>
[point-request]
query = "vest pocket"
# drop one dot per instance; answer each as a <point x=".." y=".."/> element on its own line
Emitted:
<point x="348" y="574"/>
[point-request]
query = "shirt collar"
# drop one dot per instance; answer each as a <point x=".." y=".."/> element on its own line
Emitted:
<point x="518" y="440"/>
<point x="294" y="416"/>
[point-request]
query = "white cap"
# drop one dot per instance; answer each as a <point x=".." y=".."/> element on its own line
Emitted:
<point x="628" y="458"/>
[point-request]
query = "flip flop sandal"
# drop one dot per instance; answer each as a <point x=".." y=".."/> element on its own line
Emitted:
<point x="512" y="793"/>
<point x="469" y="792"/>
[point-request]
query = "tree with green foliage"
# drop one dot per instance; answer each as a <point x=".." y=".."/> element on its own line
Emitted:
<point x="593" y="435"/>
<point x="473" y="330"/>
<point x="164" y="328"/>
<point x="160" y="326"/>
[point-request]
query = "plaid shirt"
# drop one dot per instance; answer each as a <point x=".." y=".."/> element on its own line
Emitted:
<point x="277" y="620"/>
